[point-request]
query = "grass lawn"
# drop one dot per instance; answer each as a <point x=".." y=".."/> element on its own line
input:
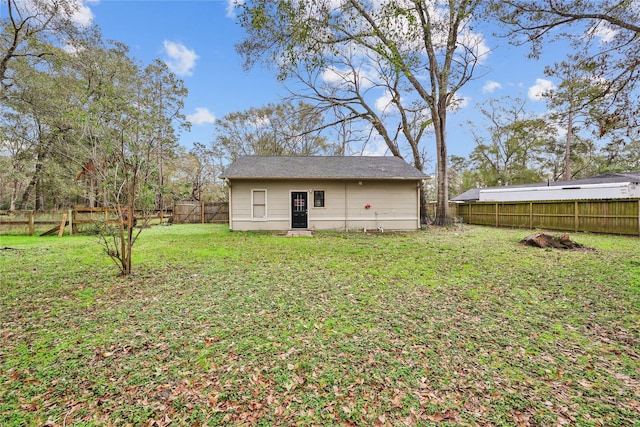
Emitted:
<point x="463" y="326"/>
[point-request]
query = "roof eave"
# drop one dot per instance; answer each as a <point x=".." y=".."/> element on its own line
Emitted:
<point x="329" y="178"/>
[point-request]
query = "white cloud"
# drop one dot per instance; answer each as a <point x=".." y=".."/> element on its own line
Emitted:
<point x="335" y="76"/>
<point x="475" y="42"/>
<point x="605" y="33"/>
<point x="75" y="10"/>
<point x="331" y="75"/>
<point x="384" y="102"/>
<point x="375" y="148"/>
<point x="231" y="7"/>
<point x="491" y="86"/>
<point x="83" y="16"/>
<point x="541" y="87"/>
<point x="261" y="122"/>
<point x="202" y="116"/>
<point x="181" y="60"/>
<point x="459" y="102"/>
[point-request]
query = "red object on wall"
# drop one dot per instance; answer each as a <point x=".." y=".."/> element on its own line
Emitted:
<point x="367" y="206"/>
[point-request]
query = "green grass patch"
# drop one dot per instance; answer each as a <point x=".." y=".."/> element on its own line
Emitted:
<point x="460" y="326"/>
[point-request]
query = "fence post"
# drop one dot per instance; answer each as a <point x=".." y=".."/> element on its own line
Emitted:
<point x="497" y="221"/>
<point x="576" y="219"/>
<point x="639" y="218"/>
<point x="531" y="215"/>
<point x="202" y="212"/>
<point x="32" y="222"/>
<point x="62" y="224"/>
<point x="71" y="222"/>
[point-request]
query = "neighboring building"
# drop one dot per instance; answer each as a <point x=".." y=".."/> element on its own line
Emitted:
<point x="323" y="193"/>
<point x="608" y="186"/>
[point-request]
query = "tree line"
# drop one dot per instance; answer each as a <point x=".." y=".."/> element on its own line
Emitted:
<point x="84" y="123"/>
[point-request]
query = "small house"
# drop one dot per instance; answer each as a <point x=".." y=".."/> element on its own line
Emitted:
<point x="323" y="193"/>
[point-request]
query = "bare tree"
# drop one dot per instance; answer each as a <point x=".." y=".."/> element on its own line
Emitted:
<point x="361" y="88"/>
<point x="194" y="174"/>
<point x="286" y="129"/>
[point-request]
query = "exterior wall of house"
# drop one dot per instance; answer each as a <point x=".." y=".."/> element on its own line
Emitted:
<point x="393" y="204"/>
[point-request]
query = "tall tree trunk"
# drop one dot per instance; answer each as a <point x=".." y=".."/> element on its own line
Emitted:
<point x="33" y="184"/>
<point x="39" y="189"/>
<point x="26" y="195"/>
<point x="440" y="125"/>
<point x="567" y="148"/>
<point x="424" y="212"/>
<point x="14" y="196"/>
<point x="418" y="164"/>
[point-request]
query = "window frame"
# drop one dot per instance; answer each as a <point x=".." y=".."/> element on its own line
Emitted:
<point x="324" y="198"/>
<point x="253" y="204"/>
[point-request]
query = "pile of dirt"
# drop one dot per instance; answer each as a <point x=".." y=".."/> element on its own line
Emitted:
<point x="541" y="240"/>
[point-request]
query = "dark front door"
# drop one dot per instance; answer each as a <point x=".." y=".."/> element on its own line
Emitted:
<point x="299" y="209"/>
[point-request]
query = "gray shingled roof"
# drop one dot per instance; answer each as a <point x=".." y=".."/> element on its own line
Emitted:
<point x="336" y="167"/>
<point x="474" y="194"/>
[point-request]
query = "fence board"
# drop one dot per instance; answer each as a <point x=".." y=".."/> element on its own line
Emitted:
<point x="190" y="212"/>
<point x="621" y="216"/>
<point x="28" y="221"/>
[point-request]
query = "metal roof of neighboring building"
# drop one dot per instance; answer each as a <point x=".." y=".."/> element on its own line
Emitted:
<point x="321" y="167"/>
<point x="473" y="194"/>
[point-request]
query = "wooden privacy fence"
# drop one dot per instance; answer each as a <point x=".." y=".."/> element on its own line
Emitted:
<point x="599" y="216"/>
<point x="75" y="219"/>
<point x="189" y="212"/>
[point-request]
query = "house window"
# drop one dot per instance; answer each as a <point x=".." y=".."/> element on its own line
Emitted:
<point x="259" y="204"/>
<point x="318" y="198"/>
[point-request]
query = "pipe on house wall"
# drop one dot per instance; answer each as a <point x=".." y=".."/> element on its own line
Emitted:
<point x="418" y="187"/>
<point x="230" y="205"/>
<point x="346" y="208"/>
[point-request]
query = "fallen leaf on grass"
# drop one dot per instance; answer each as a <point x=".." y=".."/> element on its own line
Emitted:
<point x="396" y="401"/>
<point x="410" y="420"/>
<point x="448" y="415"/>
<point x="69" y="415"/>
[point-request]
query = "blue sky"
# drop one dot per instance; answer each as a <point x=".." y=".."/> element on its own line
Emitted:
<point x="196" y="39"/>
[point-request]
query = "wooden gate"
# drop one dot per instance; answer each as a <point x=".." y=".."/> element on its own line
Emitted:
<point x="191" y="212"/>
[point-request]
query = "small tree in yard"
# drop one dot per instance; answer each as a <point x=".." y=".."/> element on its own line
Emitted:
<point x="126" y="174"/>
<point x="122" y="132"/>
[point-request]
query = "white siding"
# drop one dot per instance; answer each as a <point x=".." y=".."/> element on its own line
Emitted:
<point x="393" y="205"/>
<point x="613" y="190"/>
